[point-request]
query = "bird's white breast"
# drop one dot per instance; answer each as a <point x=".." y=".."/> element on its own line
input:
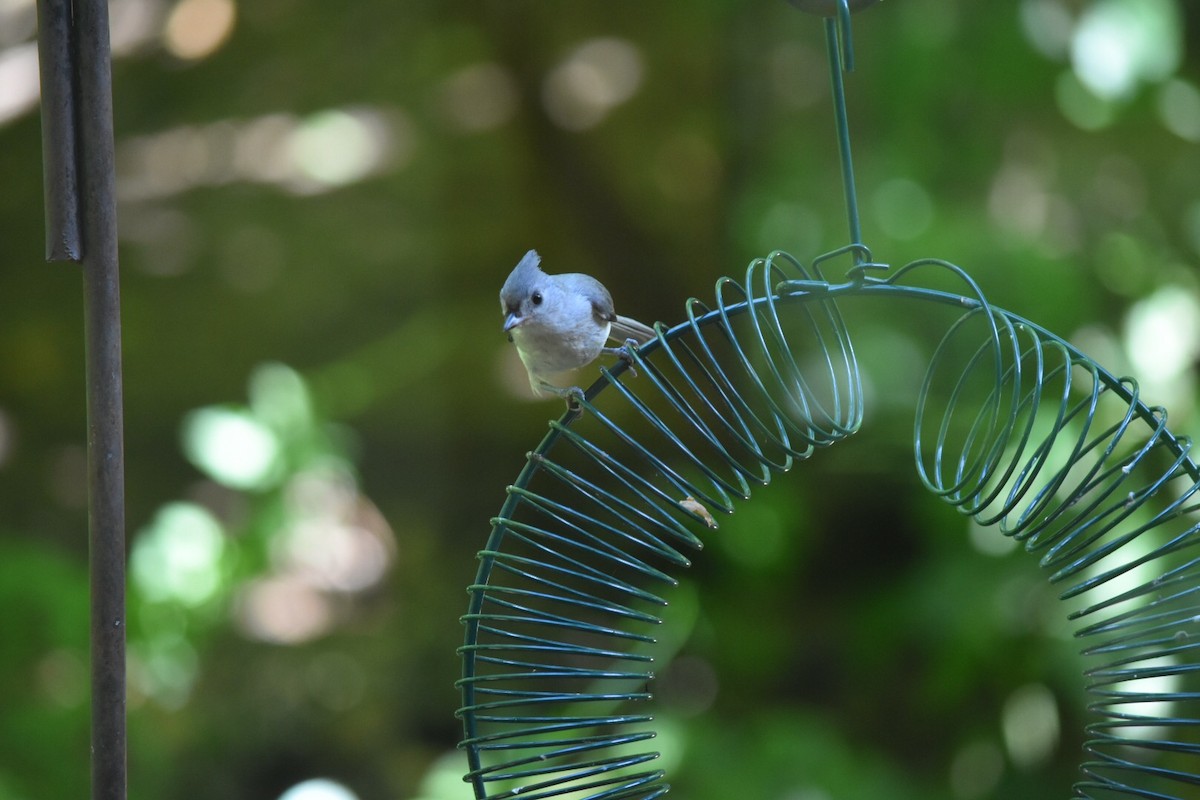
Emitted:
<point x="567" y="339"/>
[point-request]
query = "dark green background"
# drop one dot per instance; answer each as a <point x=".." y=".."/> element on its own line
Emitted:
<point x="846" y="639"/>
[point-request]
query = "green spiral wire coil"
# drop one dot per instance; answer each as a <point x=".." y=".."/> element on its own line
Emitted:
<point x="1013" y="427"/>
<point x="560" y="613"/>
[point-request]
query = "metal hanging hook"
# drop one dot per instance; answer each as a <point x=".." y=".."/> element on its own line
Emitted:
<point x="841" y="9"/>
<point x="841" y="59"/>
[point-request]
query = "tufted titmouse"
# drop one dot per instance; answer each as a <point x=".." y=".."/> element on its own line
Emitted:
<point x="561" y="322"/>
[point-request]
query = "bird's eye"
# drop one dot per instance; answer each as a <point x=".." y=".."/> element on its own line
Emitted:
<point x="536" y="297"/>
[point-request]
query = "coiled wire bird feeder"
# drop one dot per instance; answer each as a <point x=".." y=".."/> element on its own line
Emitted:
<point x="1013" y="426"/>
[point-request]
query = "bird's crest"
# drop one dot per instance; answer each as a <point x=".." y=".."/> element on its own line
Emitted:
<point x="521" y="280"/>
<point x="529" y="265"/>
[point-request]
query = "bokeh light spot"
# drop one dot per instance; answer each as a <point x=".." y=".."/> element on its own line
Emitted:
<point x="1122" y="263"/>
<point x="195" y="29"/>
<point x="318" y="789"/>
<point x="1162" y="335"/>
<point x="279" y="397"/>
<point x="335" y="147"/>
<point x="1166" y="684"/>
<point x="988" y="540"/>
<point x="232" y="447"/>
<point x="8" y="437"/>
<point x="1120" y="43"/>
<point x="903" y="208"/>
<point x="283" y="610"/>
<point x="18" y="21"/>
<point x="1179" y="109"/>
<point x="134" y="24"/>
<point x="177" y="557"/>
<point x="260" y="150"/>
<point x="326" y="150"/>
<point x="164" y="668"/>
<point x="1047" y="25"/>
<point x="339" y="541"/>
<point x="799" y="76"/>
<point x="336" y="556"/>
<point x="595" y="78"/>
<point x="478" y="97"/>
<point x="1031" y="725"/>
<point x="443" y="779"/>
<point x="19" y="81"/>
<point x="1018" y="201"/>
<point x="976" y="770"/>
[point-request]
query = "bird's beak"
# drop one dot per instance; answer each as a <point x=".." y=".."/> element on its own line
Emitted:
<point x="512" y="320"/>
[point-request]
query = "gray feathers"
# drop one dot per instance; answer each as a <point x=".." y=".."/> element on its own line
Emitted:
<point x="625" y="328"/>
<point x="560" y="322"/>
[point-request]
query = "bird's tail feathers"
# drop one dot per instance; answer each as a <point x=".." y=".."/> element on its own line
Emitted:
<point x="625" y="328"/>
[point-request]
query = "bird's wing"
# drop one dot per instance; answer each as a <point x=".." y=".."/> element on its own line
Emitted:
<point x="625" y="328"/>
<point x="594" y="291"/>
<point x="602" y="305"/>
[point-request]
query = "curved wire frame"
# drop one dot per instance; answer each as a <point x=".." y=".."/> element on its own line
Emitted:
<point x="1013" y="426"/>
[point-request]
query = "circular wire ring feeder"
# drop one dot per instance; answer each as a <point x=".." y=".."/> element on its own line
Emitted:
<point x="1013" y="426"/>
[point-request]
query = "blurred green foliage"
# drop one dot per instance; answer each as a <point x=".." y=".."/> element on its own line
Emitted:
<point x="342" y="188"/>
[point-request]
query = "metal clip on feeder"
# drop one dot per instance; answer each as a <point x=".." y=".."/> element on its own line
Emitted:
<point x="1013" y="426"/>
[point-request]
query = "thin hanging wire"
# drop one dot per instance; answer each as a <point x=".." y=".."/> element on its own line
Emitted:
<point x="840" y="47"/>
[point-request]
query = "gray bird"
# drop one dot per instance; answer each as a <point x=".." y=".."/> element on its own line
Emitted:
<point x="561" y="322"/>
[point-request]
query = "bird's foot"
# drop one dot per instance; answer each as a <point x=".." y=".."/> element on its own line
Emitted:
<point x="573" y="395"/>
<point x="625" y="353"/>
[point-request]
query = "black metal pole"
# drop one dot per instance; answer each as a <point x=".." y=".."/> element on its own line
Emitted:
<point x="60" y="180"/>
<point x="106" y="449"/>
<point x="80" y="185"/>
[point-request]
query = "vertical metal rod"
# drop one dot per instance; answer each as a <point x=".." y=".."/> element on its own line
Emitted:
<point x="106" y="451"/>
<point x="838" y="63"/>
<point x="59" y="157"/>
